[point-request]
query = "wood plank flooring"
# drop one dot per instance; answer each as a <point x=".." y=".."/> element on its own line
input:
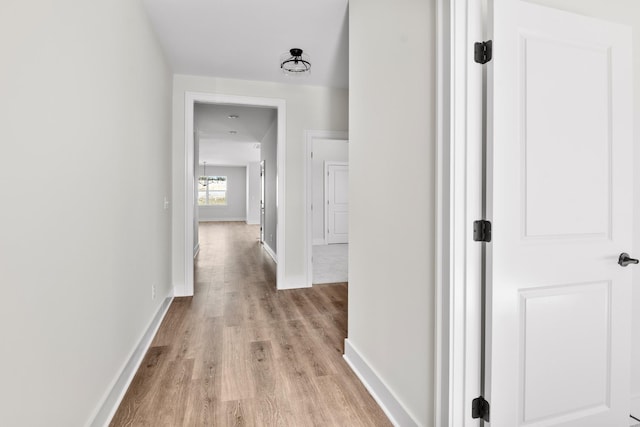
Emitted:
<point x="240" y="353"/>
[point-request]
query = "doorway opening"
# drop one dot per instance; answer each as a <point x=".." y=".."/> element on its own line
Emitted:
<point x="327" y="165"/>
<point x="231" y="145"/>
<point x="274" y="187"/>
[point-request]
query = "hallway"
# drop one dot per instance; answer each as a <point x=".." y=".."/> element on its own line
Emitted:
<point x="238" y="353"/>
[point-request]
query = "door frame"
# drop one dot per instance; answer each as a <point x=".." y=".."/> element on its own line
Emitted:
<point x="327" y="164"/>
<point x="262" y="196"/>
<point x="458" y="300"/>
<point x="453" y="342"/>
<point x="310" y="136"/>
<point x="213" y="98"/>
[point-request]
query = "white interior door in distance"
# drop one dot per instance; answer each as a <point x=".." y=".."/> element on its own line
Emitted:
<point x="559" y="196"/>
<point x="337" y="202"/>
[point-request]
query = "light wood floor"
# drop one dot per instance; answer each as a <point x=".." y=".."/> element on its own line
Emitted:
<point x="238" y="353"/>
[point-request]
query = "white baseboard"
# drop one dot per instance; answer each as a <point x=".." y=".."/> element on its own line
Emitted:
<point x="635" y="405"/>
<point x="319" y="242"/>
<point x="270" y="251"/>
<point x="243" y="219"/>
<point x="391" y="406"/>
<point x="249" y="222"/>
<point x="196" y="251"/>
<point x="112" y="400"/>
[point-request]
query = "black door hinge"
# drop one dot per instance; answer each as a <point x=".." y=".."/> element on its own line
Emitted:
<point x="482" y="231"/>
<point x="480" y="409"/>
<point x="483" y="52"/>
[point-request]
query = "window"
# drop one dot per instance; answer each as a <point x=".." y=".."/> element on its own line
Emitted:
<point x="212" y="191"/>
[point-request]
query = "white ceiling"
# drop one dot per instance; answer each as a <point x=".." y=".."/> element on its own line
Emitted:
<point x="244" y="39"/>
<point x="212" y="122"/>
<point x="229" y="153"/>
<point x="218" y="146"/>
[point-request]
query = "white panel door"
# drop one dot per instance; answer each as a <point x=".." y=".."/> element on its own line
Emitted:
<point x="337" y="202"/>
<point x="559" y="195"/>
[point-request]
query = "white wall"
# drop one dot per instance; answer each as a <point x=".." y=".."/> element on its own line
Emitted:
<point x="236" y="207"/>
<point x="323" y="150"/>
<point x="391" y="245"/>
<point x="308" y="107"/>
<point x="85" y="102"/>
<point x="268" y="154"/>
<point x="253" y="193"/>
<point x="626" y="12"/>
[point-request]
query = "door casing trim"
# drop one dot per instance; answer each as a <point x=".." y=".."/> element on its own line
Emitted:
<point x="309" y="137"/>
<point x="213" y="98"/>
<point x="457" y="356"/>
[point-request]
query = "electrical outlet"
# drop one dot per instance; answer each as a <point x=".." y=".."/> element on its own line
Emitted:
<point x="153" y="292"/>
<point x="166" y="203"/>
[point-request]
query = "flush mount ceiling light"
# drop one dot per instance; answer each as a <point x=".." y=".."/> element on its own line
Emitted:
<point x="295" y="63"/>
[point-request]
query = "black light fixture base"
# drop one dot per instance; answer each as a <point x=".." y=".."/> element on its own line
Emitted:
<point x="295" y="51"/>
